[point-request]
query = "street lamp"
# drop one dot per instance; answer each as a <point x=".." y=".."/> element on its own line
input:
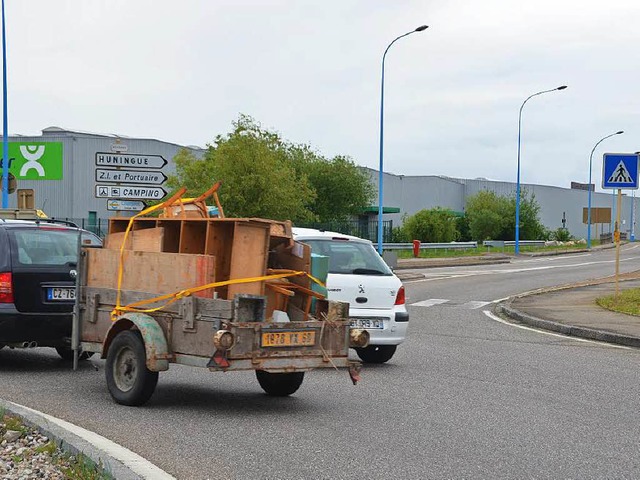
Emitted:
<point x="380" y="173"/>
<point x="620" y="132"/>
<point x="517" y="251"/>
<point x="5" y="139"/>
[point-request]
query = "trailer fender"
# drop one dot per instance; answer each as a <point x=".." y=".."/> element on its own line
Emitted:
<point x="155" y="343"/>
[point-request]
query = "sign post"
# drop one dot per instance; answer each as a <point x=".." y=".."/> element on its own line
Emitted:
<point x="619" y="170"/>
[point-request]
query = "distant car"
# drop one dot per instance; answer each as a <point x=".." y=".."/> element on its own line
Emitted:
<point x="358" y="275"/>
<point x="38" y="269"/>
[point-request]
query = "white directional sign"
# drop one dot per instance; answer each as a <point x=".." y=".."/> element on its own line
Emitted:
<point x="139" y="177"/>
<point x="134" y="160"/>
<point x="125" y="205"/>
<point x="130" y="191"/>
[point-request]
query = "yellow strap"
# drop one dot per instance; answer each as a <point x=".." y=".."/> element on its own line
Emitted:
<point x="173" y="297"/>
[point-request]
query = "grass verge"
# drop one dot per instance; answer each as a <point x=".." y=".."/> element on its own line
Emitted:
<point x="628" y="302"/>
<point x="481" y="250"/>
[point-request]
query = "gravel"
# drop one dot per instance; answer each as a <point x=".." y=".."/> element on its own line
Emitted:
<point x="27" y="454"/>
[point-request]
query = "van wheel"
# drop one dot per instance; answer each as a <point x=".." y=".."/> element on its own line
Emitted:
<point x="376" y="353"/>
<point x="129" y="380"/>
<point x="279" y="384"/>
<point x="67" y="354"/>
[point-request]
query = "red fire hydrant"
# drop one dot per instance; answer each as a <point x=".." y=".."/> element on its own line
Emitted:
<point x="416" y="248"/>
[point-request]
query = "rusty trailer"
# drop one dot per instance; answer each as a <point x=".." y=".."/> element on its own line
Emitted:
<point x="137" y="310"/>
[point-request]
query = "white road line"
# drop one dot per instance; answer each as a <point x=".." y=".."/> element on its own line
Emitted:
<point x="430" y="302"/>
<point x="544" y="332"/>
<point x="474" y="304"/>
<point x="132" y="460"/>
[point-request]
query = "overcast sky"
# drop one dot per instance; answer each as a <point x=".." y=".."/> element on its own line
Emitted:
<point x="182" y="71"/>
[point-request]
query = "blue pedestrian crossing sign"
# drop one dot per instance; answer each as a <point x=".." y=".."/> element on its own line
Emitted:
<point x="620" y="170"/>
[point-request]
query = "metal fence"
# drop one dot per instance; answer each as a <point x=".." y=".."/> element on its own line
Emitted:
<point x="430" y="246"/>
<point x="363" y="229"/>
<point x="99" y="226"/>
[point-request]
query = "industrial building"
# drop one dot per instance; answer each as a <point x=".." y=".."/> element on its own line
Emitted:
<point x="73" y="173"/>
<point x="559" y="207"/>
<point x="89" y="177"/>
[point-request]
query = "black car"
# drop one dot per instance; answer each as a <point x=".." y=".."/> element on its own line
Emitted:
<point x="38" y="269"/>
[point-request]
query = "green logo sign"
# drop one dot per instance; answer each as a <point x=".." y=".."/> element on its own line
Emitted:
<point x="35" y="160"/>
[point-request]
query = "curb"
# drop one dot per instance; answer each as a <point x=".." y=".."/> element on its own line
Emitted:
<point x="569" y="330"/>
<point x="74" y="444"/>
<point x="427" y="263"/>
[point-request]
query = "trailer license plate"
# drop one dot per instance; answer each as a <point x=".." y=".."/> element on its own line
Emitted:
<point x="289" y="339"/>
<point x="60" y="293"/>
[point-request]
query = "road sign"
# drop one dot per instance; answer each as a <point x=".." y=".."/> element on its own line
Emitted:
<point x="119" y="147"/>
<point x="130" y="191"/>
<point x="138" y="177"/>
<point x="133" y="160"/>
<point x="125" y="205"/>
<point x="620" y="170"/>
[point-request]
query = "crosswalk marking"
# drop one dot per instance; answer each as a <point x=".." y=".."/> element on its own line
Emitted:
<point x="470" y="305"/>
<point x="429" y="303"/>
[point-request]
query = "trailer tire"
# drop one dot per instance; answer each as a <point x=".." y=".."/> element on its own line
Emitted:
<point x="279" y="384"/>
<point x="376" y="353"/>
<point x="129" y="380"/>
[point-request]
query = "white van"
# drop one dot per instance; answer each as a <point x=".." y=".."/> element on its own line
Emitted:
<point x="358" y="275"/>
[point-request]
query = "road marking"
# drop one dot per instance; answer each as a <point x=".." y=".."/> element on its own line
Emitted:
<point x="474" y="304"/>
<point x="430" y="302"/>
<point x="492" y="316"/>
<point x="131" y="460"/>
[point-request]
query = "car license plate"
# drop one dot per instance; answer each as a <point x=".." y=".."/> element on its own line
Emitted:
<point x="289" y="339"/>
<point x="368" y="323"/>
<point x="61" y="293"/>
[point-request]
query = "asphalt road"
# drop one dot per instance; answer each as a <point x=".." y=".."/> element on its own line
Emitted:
<point x="465" y="397"/>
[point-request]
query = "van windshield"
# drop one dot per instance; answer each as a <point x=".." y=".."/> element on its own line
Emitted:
<point x="347" y="257"/>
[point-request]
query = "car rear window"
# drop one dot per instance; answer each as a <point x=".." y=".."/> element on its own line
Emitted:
<point x="45" y="246"/>
<point x="347" y="257"/>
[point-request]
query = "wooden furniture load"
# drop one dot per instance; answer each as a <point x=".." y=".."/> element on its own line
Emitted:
<point x="241" y="248"/>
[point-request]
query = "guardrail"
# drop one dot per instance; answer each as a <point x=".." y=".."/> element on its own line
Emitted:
<point x="511" y="243"/>
<point x="429" y="246"/>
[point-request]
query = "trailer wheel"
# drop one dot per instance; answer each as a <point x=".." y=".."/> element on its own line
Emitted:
<point x="376" y="353"/>
<point x="67" y="354"/>
<point x="279" y="384"/>
<point x="129" y="380"/>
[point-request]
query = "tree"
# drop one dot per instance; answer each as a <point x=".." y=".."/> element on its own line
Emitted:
<point x="342" y="189"/>
<point x="258" y="177"/>
<point x="492" y="217"/>
<point x="486" y="213"/>
<point x="433" y="225"/>
<point x="266" y="176"/>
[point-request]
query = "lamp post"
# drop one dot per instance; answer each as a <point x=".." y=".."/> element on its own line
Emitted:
<point x="620" y="132"/>
<point x="5" y="140"/>
<point x="380" y="172"/>
<point x="562" y="87"/>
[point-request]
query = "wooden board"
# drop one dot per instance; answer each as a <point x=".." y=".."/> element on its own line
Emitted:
<point x="147" y="240"/>
<point x="152" y="272"/>
<point x="248" y="257"/>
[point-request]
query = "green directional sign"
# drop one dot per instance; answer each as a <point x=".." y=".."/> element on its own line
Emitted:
<point x="35" y="160"/>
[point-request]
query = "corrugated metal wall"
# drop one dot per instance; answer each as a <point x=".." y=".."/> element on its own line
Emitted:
<point x="413" y="193"/>
<point x="74" y="195"/>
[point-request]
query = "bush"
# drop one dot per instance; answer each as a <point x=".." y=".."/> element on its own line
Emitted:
<point x="561" y="235"/>
<point x="435" y="225"/>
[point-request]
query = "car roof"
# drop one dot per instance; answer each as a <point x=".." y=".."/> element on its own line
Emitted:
<point x="13" y="223"/>
<point x="313" y="234"/>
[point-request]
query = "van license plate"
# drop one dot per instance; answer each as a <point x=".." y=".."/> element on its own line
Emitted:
<point x="61" y="293"/>
<point x="368" y="323"/>
<point x="289" y="339"/>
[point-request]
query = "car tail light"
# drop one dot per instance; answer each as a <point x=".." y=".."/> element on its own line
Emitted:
<point x="6" y="288"/>
<point x="400" y="299"/>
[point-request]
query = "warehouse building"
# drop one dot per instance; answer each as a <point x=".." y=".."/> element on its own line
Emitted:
<point x="79" y="175"/>
<point x="559" y="207"/>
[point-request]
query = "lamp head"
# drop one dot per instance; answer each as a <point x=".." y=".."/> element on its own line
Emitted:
<point x="619" y="132"/>
<point x="561" y="87"/>
<point x="421" y="28"/>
